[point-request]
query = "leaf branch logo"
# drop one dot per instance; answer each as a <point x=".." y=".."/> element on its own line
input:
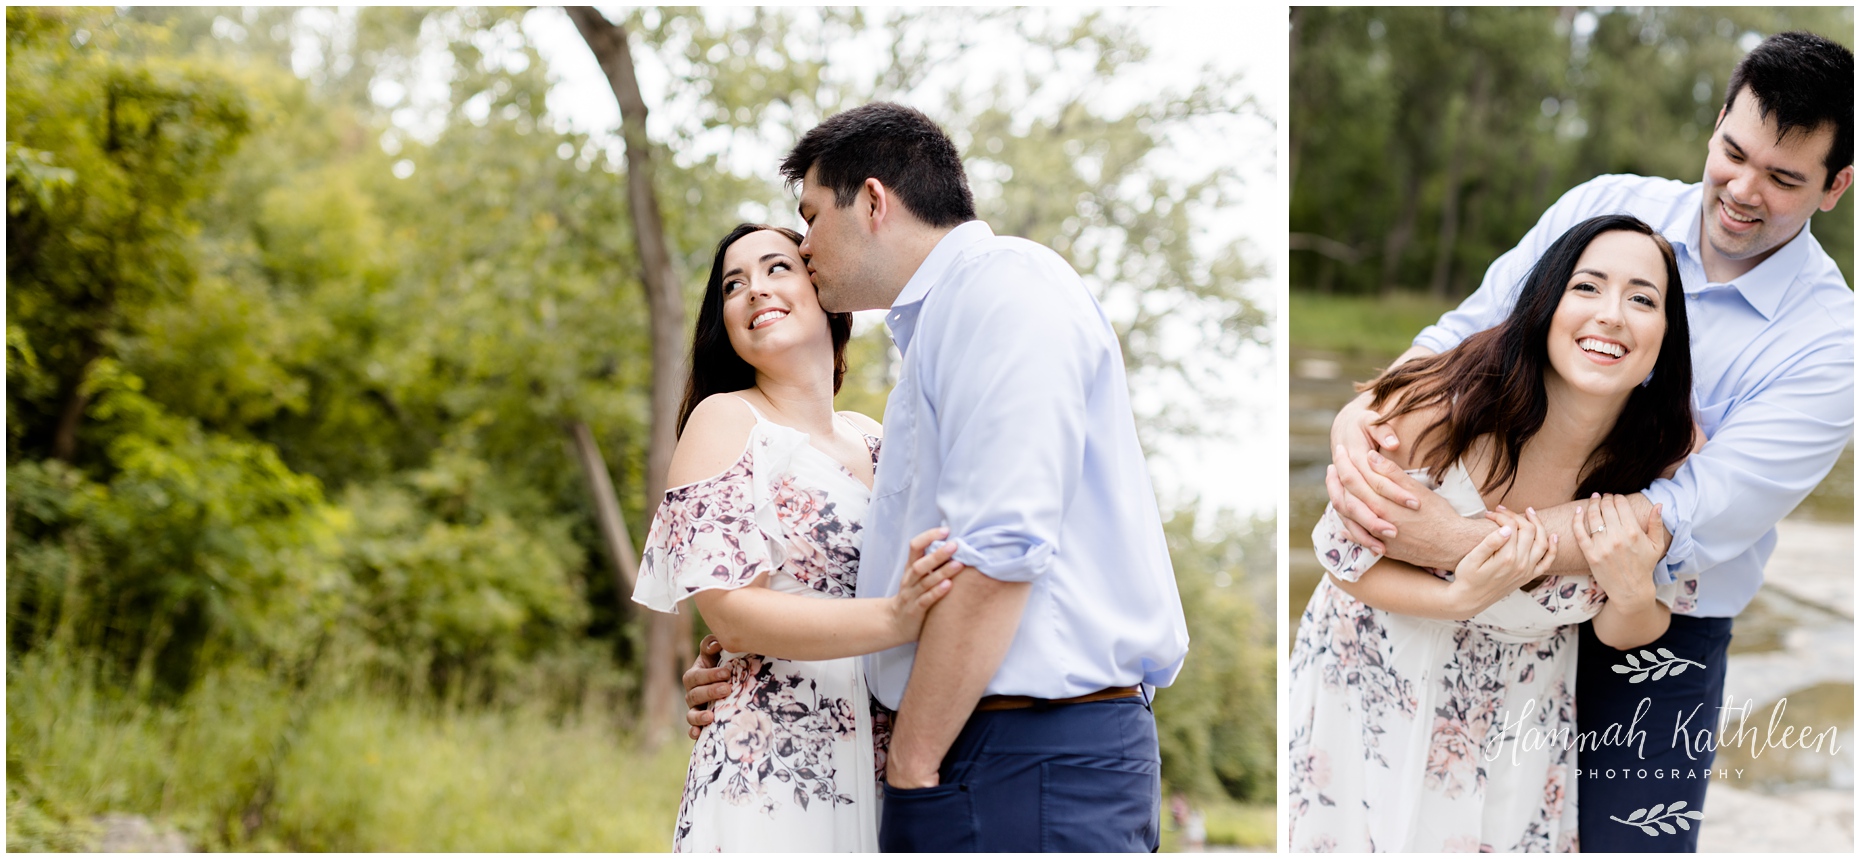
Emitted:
<point x="1646" y="819"/>
<point x="1657" y="666"/>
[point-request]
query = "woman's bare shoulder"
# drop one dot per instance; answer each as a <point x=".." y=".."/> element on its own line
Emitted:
<point x="714" y="439"/>
<point x="865" y="424"/>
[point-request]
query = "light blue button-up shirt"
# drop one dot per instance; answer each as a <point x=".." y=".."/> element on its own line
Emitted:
<point x="1011" y="424"/>
<point x="1772" y="376"/>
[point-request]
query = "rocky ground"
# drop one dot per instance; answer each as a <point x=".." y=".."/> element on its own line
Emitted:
<point x="1813" y="570"/>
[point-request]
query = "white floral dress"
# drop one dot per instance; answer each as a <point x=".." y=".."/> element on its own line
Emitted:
<point x="789" y="763"/>
<point x="1412" y="734"/>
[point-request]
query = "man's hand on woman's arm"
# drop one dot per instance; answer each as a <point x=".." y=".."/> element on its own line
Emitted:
<point x="1500" y="563"/>
<point x="1429" y="534"/>
<point x="1357" y="431"/>
<point x="1437" y="536"/>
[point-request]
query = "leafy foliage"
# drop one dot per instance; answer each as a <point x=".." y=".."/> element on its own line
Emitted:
<point x="1426" y="141"/>
<point x="1216" y="722"/>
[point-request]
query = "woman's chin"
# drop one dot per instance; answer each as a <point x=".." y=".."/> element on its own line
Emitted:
<point x="1617" y="383"/>
<point x="779" y="349"/>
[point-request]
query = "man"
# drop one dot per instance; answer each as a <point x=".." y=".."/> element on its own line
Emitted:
<point x="1023" y="718"/>
<point x="1772" y="334"/>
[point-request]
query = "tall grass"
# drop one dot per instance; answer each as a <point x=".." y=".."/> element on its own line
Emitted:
<point x="244" y="762"/>
<point x="1364" y="326"/>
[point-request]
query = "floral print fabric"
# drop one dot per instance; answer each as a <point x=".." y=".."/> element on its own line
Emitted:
<point x="1413" y="734"/>
<point x="788" y="762"/>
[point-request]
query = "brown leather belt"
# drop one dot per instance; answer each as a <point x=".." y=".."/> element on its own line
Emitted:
<point x="1022" y="702"/>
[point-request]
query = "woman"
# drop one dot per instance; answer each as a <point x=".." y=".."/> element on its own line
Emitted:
<point x="762" y="531"/>
<point x="1435" y="711"/>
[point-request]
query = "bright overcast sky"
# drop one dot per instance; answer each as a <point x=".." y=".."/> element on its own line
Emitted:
<point x="1242" y="464"/>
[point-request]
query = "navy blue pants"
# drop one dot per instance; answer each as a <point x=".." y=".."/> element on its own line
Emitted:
<point x="1656" y="736"/>
<point x="1077" y="777"/>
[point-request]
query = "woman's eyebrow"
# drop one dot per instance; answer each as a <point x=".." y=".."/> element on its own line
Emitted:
<point x="1632" y="281"/>
<point x="765" y="258"/>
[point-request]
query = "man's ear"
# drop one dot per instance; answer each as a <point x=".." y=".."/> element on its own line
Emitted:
<point x="1842" y="181"/>
<point x="878" y="202"/>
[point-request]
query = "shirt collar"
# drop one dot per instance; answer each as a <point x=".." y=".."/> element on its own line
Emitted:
<point x="902" y="318"/>
<point x="1762" y="287"/>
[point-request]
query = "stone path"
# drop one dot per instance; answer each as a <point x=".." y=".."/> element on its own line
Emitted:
<point x="1814" y="567"/>
<point x="1743" y="821"/>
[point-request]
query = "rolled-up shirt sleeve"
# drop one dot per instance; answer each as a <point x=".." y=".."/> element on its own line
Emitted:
<point x="1768" y="453"/>
<point x="1011" y="414"/>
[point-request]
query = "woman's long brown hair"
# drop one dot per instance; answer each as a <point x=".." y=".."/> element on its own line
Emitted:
<point x="1492" y="384"/>
<point x="715" y="366"/>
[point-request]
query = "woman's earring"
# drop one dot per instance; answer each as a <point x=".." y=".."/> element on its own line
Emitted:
<point x="1649" y="380"/>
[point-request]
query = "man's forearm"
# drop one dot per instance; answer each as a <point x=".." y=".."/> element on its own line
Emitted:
<point x="1440" y="547"/>
<point x="1562" y="519"/>
<point x="1444" y="548"/>
<point x="964" y="639"/>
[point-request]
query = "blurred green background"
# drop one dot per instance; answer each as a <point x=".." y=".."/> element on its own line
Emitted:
<point x="1424" y="143"/>
<point x="301" y="305"/>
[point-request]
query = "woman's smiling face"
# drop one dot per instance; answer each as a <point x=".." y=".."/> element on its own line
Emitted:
<point x="769" y="303"/>
<point x="1606" y="334"/>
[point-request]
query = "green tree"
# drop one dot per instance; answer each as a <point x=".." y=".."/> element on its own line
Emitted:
<point x="1424" y="142"/>
<point x="1217" y="722"/>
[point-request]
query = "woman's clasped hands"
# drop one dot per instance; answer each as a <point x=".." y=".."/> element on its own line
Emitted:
<point x="1521" y="550"/>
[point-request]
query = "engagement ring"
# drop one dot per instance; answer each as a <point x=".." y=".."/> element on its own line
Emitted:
<point x="1599" y="529"/>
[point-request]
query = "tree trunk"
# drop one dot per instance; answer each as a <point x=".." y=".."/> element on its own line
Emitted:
<point x="1294" y="139"/>
<point x="1472" y="225"/>
<point x="1449" y="226"/>
<point x="71" y="415"/>
<point x="64" y="438"/>
<point x="665" y="304"/>
<point x="606" y="512"/>
<point x="1472" y="119"/>
<point x="1395" y="244"/>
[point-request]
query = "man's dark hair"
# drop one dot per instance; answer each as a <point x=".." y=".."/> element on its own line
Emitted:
<point x="900" y="147"/>
<point x="1807" y="82"/>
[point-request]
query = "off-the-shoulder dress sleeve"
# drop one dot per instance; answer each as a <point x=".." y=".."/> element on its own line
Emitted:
<point x="722" y="532"/>
<point x="704" y="536"/>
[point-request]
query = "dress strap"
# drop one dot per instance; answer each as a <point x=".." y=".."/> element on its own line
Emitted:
<point x="752" y="408"/>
